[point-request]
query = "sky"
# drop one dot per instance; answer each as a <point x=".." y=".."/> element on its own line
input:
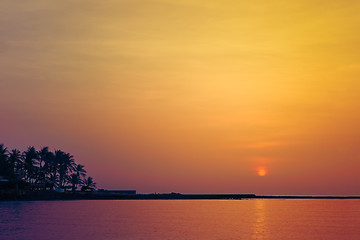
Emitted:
<point x="191" y="96"/>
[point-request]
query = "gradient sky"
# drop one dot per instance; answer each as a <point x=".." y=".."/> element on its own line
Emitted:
<point x="191" y="96"/>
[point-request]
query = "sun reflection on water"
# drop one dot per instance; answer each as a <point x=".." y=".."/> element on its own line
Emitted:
<point x="259" y="223"/>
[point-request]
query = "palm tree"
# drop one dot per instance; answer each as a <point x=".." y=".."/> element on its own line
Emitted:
<point x="50" y="169"/>
<point x="42" y="155"/>
<point x="31" y="158"/>
<point x="89" y="184"/>
<point x="74" y="180"/>
<point x="57" y="160"/>
<point x="4" y="166"/>
<point x="66" y="165"/>
<point x="45" y="161"/>
<point x="80" y="171"/>
<point x="15" y="163"/>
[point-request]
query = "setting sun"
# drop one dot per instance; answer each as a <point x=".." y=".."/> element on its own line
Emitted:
<point x="261" y="172"/>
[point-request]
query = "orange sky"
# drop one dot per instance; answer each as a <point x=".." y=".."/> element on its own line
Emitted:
<point x="196" y="96"/>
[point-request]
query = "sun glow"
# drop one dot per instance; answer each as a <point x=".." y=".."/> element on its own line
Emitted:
<point x="261" y="172"/>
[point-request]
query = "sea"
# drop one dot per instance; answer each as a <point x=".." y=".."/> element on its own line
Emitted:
<point x="181" y="219"/>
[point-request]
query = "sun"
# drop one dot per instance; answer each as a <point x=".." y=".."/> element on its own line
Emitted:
<point x="261" y="172"/>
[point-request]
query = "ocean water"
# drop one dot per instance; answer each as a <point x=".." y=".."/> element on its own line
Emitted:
<point x="180" y="219"/>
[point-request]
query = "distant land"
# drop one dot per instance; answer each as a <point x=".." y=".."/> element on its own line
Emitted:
<point x="132" y="195"/>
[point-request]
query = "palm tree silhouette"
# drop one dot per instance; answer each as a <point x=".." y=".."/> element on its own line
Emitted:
<point x="80" y="171"/>
<point x="14" y="160"/>
<point x="66" y="165"/>
<point x="15" y="163"/>
<point x="31" y="158"/>
<point x="43" y="153"/>
<point x="50" y="170"/>
<point x="4" y="166"/>
<point x="74" y="180"/>
<point x="89" y="184"/>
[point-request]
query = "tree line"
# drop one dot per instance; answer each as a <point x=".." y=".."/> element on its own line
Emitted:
<point x="42" y="170"/>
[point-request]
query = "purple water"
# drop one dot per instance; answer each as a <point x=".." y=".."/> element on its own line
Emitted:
<point x="180" y="219"/>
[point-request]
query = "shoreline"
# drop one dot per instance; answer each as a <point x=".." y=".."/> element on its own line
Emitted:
<point x="48" y="196"/>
